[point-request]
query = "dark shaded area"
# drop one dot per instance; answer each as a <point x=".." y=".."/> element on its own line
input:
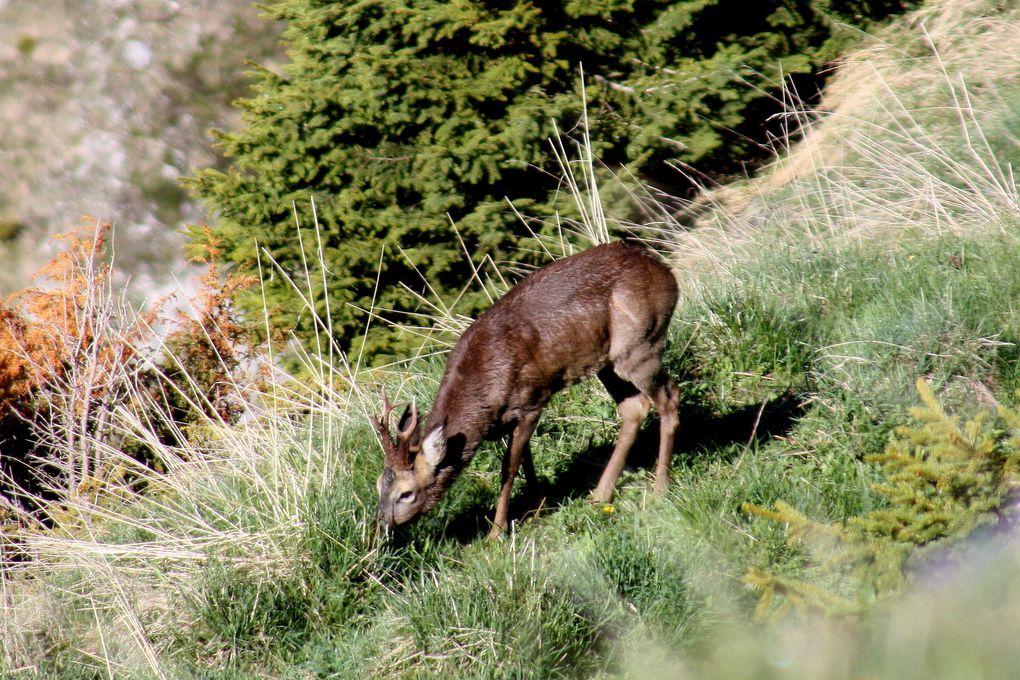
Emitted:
<point x="753" y="424"/>
<point x="17" y="448"/>
<point x="21" y="479"/>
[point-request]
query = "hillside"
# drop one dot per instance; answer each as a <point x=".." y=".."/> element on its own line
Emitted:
<point x="103" y="106"/>
<point x="829" y="517"/>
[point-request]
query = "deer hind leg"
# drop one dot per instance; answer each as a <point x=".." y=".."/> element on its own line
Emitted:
<point x="666" y="395"/>
<point x="633" y="406"/>
<point x="647" y="376"/>
<point x="518" y="451"/>
<point x="637" y="338"/>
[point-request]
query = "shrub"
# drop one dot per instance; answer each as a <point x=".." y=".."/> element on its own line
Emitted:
<point x="66" y="356"/>
<point x="942" y="481"/>
<point x="72" y="352"/>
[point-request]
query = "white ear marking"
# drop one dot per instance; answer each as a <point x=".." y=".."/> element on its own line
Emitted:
<point x="434" y="447"/>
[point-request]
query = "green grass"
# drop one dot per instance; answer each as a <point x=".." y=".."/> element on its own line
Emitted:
<point x="806" y="317"/>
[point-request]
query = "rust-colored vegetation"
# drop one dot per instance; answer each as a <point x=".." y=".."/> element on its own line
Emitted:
<point x="72" y="352"/>
<point x="210" y="346"/>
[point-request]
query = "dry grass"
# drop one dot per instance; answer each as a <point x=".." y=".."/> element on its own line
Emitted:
<point x="96" y="566"/>
<point x="912" y="138"/>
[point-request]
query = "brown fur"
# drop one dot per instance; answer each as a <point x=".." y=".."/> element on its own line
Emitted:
<point x="606" y="311"/>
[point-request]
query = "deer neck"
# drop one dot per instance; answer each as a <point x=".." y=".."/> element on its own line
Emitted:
<point x="461" y="409"/>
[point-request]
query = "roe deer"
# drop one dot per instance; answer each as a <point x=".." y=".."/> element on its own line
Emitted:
<point x="604" y="310"/>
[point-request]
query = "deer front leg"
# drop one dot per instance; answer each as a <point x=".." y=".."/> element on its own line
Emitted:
<point x="518" y="450"/>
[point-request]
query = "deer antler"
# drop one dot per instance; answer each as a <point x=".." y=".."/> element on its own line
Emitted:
<point x="385" y="438"/>
<point x="397" y="454"/>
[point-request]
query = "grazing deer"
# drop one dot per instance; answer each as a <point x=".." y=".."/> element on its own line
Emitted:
<point x="603" y="311"/>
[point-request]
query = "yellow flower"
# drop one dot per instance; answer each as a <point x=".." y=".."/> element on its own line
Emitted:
<point x="608" y="509"/>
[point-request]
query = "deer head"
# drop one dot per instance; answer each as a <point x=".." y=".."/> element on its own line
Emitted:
<point x="409" y="466"/>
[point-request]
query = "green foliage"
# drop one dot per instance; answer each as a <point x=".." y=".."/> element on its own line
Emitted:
<point x="941" y="481"/>
<point x="10" y="229"/>
<point x="504" y="614"/>
<point x="853" y="326"/>
<point x="396" y="118"/>
<point x="944" y="479"/>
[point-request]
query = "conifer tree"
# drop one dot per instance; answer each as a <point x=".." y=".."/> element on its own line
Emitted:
<point x="398" y="116"/>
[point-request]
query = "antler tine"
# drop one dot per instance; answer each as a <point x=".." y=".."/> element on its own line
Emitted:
<point x="383" y="424"/>
<point x="387" y="409"/>
<point x="412" y="425"/>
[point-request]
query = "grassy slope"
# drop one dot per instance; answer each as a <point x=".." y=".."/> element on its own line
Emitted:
<point x="881" y="249"/>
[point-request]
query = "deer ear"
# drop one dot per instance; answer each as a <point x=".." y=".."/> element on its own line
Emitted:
<point x="414" y="437"/>
<point x="434" y="447"/>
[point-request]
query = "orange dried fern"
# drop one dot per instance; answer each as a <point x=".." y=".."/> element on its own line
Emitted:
<point x="72" y="352"/>
<point x="213" y="346"/>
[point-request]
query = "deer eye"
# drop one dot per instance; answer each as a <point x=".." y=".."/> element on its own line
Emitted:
<point x="406" y="497"/>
